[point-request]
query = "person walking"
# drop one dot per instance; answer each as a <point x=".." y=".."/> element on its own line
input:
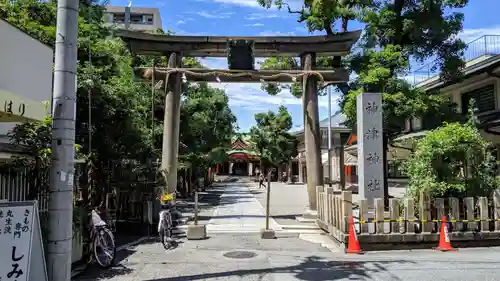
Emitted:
<point x="261" y="180"/>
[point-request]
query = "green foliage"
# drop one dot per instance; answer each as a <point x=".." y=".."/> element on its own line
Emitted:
<point x="121" y="124"/>
<point x="271" y="137"/>
<point x="35" y="137"/>
<point x="396" y="32"/>
<point x="453" y="160"/>
<point x="207" y="125"/>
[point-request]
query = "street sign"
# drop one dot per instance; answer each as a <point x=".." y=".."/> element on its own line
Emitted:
<point x="21" y="242"/>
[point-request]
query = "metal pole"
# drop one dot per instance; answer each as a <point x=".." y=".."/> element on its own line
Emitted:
<point x="127" y="15"/>
<point x="268" y="197"/>
<point x="153" y="89"/>
<point x="63" y="143"/>
<point x="329" y="89"/>
<point x="196" y="208"/>
<point x="90" y="83"/>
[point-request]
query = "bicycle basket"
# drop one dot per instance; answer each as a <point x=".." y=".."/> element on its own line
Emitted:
<point x="167" y="197"/>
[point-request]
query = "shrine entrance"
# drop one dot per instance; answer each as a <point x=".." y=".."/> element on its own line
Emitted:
<point x="241" y="53"/>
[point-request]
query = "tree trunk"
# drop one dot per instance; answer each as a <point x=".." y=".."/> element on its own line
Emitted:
<point x="289" y="171"/>
<point x="261" y="163"/>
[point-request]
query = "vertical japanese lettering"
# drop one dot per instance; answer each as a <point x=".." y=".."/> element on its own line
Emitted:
<point x="16" y="271"/>
<point x="373" y="158"/>
<point x="371" y="108"/>
<point x="372" y="134"/>
<point x="374" y="185"/>
<point x="25" y="227"/>
<point x="8" y="222"/>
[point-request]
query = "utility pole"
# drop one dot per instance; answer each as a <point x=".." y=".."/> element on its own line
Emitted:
<point x="60" y="232"/>
<point x="329" y="89"/>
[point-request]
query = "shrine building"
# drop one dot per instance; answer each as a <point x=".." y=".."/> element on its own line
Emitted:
<point x="243" y="160"/>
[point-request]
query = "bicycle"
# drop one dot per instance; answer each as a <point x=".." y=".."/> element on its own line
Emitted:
<point x="103" y="241"/>
<point x="165" y="224"/>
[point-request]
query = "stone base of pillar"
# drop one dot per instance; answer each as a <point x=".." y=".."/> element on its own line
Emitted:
<point x="196" y="232"/>
<point x="267" y="234"/>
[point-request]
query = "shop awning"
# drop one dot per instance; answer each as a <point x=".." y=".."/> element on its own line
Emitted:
<point x="15" y="108"/>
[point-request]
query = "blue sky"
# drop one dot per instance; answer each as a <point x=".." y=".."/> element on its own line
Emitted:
<point x="245" y="17"/>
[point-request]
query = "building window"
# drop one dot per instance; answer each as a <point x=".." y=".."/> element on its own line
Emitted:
<point x="484" y="99"/>
<point x="119" y="18"/>
<point x="147" y="19"/>
<point x="136" y="19"/>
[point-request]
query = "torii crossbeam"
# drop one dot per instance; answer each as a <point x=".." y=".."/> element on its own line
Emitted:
<point x="305" y="47"/>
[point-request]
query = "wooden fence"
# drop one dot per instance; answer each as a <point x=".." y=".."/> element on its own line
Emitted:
<point x="405" y="224"/>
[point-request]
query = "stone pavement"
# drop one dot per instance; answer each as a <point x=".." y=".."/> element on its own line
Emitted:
<point x="238" y="211"/>
<point x="232" y="257"/>
<point x="288" y="201"/>
<point x="234" y="251"/>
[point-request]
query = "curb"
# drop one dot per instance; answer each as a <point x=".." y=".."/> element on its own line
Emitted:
<point x="299" y="227"/>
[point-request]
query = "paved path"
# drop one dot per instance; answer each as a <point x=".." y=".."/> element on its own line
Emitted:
<point x="288" y="201"/>
<point x="239" y="211"/>
<point x="290" y="257"/>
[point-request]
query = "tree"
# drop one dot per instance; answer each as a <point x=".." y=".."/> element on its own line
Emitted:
<point x="396" y="32"/>
<point x="122" y="127"/>
<point x="207" y="125"/>
<point x="452" y="161"/>
<point x="271" y="138"/>
<point x="120" y="107"/>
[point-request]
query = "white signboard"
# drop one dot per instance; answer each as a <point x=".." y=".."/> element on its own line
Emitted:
<point x="370" y="150"/>
<point x="22" y="257"/>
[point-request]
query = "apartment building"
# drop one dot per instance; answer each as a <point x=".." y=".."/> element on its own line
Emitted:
<point x="138" y="18"/>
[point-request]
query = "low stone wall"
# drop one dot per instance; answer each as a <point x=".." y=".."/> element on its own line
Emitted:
<point x="472" y="222"/>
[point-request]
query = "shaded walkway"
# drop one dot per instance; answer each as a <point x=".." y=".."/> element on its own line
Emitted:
<point x="239" y="211"/>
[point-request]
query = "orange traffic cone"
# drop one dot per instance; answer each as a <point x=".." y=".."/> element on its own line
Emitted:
<point x="353" y="245"/>
<point x="444" y="238"/>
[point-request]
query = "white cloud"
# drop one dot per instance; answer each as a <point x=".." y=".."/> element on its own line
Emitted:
<point x="471" y="34"/>
<point x="214" y="16"/>
<point x="246" y="3"/>
<point x="255" y="24"/>
<point x="250" y="96"/>
<point x="276" y="33"/>
<point x="180" y="22"/>
<point x="294" y="4"/>
<point x="260" y="16"/>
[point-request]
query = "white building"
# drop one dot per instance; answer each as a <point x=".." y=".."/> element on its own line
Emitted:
<point x="25" y="80"/>
<point x="147" y="19"/>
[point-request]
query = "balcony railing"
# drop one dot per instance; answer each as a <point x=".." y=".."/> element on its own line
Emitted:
<point x="487" y="45"/>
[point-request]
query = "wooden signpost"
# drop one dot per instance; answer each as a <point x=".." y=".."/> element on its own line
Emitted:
<point x="22" y="257"/>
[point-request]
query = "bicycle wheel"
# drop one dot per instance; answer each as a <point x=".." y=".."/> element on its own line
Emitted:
<point x="104" y="247"/>
<point x="166" y="232"/>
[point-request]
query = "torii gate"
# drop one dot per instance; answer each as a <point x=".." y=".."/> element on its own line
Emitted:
<point x="305" y="47"/>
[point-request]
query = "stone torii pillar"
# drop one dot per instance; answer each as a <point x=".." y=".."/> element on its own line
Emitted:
<point x="171" y="122"/>
<point x="312" y="134"/>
